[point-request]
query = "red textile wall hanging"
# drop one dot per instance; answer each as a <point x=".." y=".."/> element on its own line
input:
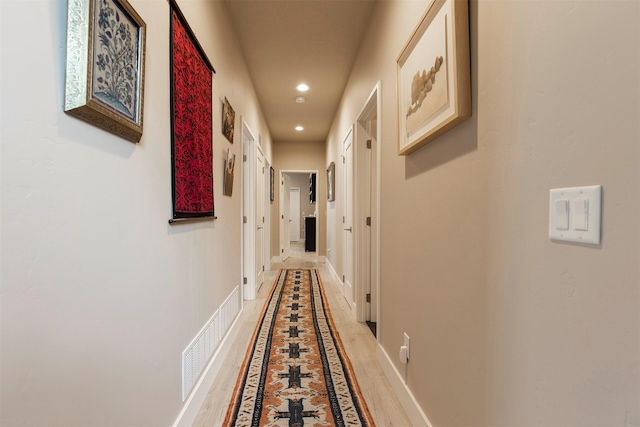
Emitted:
<point x="191" y="122"/>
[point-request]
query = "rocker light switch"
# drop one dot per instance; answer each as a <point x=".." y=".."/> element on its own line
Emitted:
<point x="574" y="214"/>
<point x="580" y="214"/>
<point x="562" y="214"/>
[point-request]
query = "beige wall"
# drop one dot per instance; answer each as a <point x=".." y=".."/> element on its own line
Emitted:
<point x="506" y="326"/>
<point x="100" y="295"/>
<point x="301" y="156"/>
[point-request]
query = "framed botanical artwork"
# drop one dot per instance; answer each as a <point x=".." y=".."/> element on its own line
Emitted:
<point x="228" y="173"/>
<point x="228" y="120"/>
<point x="272" y="194"/>
<point x="104" y="82"/>
<point x="331" y="182"/>
<point x="191" y="122"/>
<point x="434" y="88"/>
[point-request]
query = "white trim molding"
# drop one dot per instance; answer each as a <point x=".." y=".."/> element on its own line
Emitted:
<point x="201" y="388"/>
<point x="333" y="273"/>
<point x="408" y="401"/>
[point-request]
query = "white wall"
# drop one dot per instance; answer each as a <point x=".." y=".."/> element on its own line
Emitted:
<point x="507" y="327"/>
<point x="99" y="294"/>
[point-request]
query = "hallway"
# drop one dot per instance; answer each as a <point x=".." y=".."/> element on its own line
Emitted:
<point x="359" y="343"/>
<point x="112" y="313"/>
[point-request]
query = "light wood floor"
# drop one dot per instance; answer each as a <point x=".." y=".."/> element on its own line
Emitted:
<point x="358" y="341"/>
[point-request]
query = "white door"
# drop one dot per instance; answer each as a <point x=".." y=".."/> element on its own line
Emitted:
<point x="285" y="243"/>
<point x="348" y="219"/>
<point x="248" y="213"/>
<point x="366" y="179"/>
<point x="294" y="214"/>
<point x="369" y="262"/>
<point x="259" y="248"/>
<point x="363" y="183"/>
<point x="267" y="215"/>
<point x="365" y="145"/>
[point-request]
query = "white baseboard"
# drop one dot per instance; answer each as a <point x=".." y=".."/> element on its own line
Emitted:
<point x="335" y="276"/>
<point x="195" y="400"/>
<point x="408" y="401"/>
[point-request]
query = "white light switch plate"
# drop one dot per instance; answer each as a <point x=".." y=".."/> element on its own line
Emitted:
<point x="585" y="204"/>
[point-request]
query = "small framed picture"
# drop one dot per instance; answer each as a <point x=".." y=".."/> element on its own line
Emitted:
<point x="228" y="174"/>
<point x="272" y="195"/>
<point x="228" y="120"/>
<point x="331" y="182"/>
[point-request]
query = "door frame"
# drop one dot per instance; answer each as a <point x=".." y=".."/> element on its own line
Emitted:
<point x="283" y="226"/>
<point x="284" y="203"/>
<point x="372" y="110"/>
<point x="266" y="239"/>
<point x="261" y="223"/>
<point x="247" y="212"/>
<point x="250" y="147"/>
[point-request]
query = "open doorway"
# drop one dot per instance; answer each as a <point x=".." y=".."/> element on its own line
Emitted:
<point x="298" y="212"/>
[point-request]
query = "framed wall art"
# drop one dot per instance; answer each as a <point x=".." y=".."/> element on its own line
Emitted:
<point x="272" y="194"/>
<point x="104" y="82"/>
<point x="191" y="122"/>
<point x="228" y="173"/>
<point x="434" y="89"/>
<point x="331" y="182"/>
<point x="312" y="188"/>
<point x="228" y="120"/>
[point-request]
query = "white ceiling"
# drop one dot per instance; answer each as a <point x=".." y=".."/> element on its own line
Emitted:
<point x="286" y="42"/>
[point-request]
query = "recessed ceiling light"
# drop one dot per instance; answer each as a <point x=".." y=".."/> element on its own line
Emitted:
<point x="299" y="128"/>
<point x="302" y="87"/>
<point x="300" y="99"/>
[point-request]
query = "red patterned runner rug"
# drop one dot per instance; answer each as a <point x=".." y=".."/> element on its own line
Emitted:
<point x="296" y="372"/>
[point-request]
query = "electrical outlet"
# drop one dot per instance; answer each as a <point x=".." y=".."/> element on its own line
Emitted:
<point x="406" y="343"/>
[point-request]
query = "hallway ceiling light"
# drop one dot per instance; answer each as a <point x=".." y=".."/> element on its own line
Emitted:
<point x="302" y="87"/>
<point x="299" y="128"/>
<point x="300" y="99"/>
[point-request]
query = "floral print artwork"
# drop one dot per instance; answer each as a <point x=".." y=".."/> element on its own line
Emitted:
<point x="115" y="57"/>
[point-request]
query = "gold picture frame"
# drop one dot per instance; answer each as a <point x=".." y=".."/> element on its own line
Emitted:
<point x="331" y="182"/>
<point x="433" y="75"/>
<point x="104" y="82"/>
<point x="230" y="163"/>
<point x="228" y="120"/>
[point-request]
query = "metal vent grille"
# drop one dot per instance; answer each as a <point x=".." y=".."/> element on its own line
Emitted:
<point x="196" y="356"/>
